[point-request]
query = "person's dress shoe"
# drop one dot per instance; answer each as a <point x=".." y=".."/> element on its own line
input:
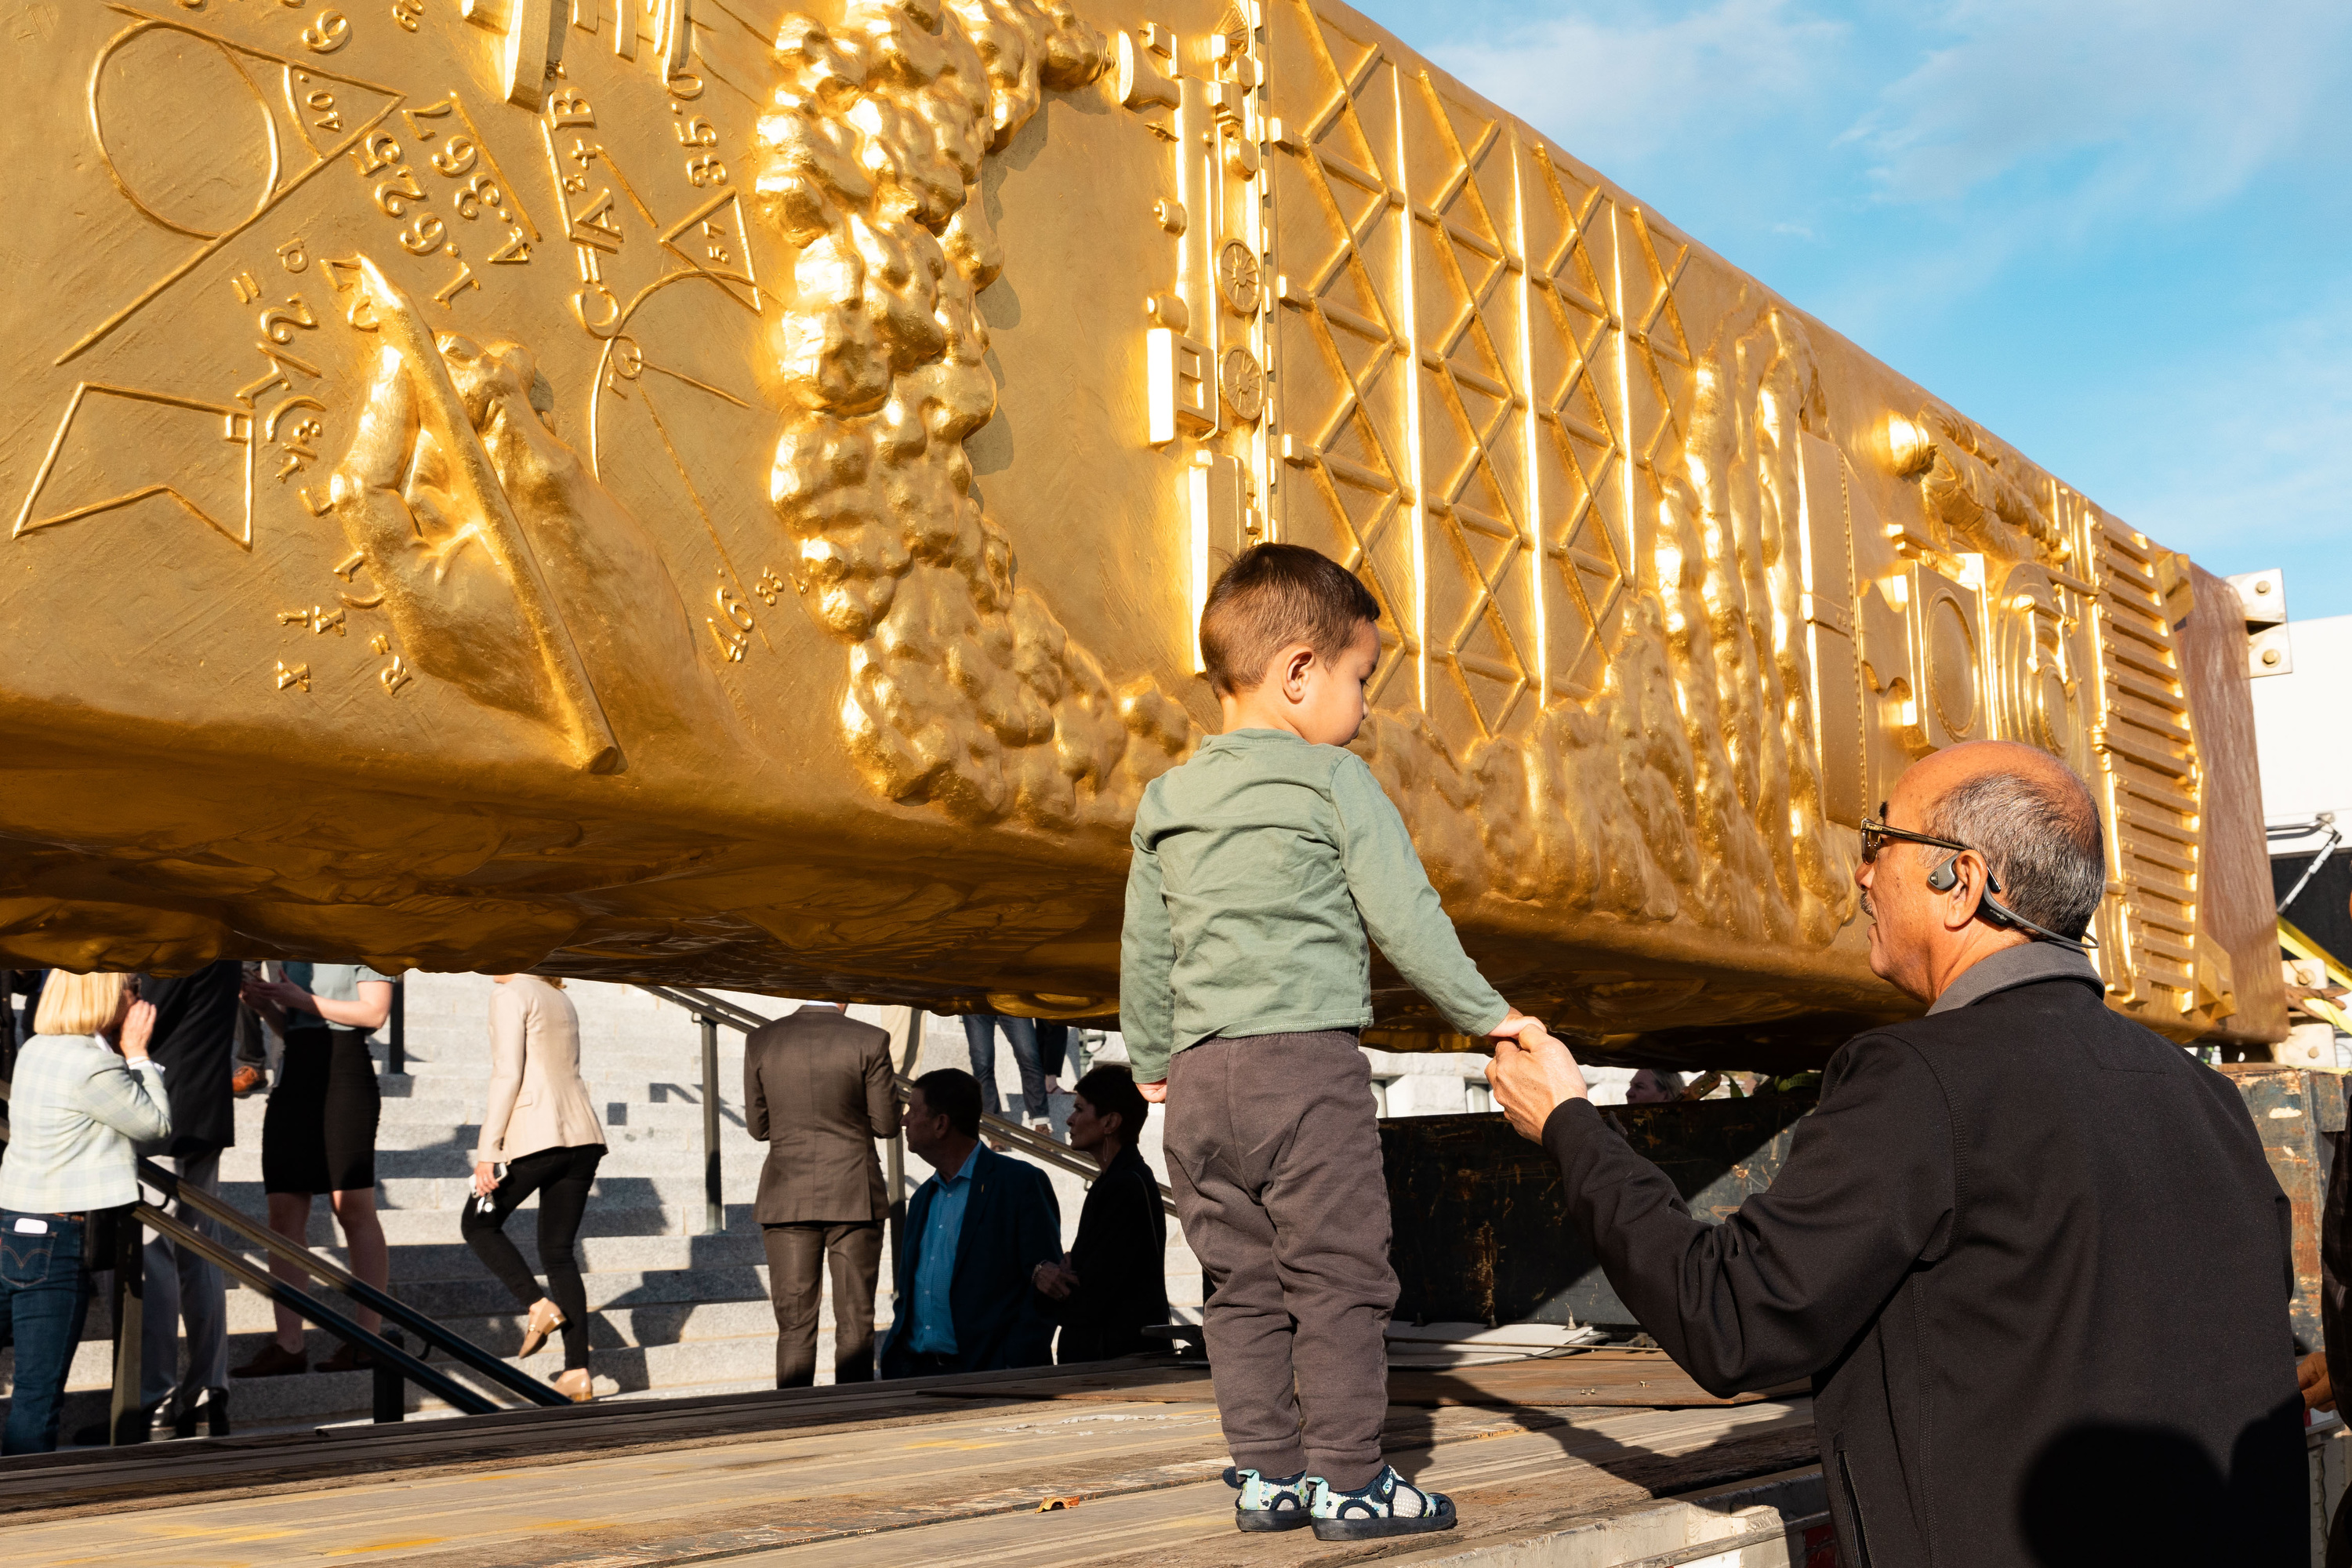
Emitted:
<point x="273" y="1360"/>
<point x="575" y="1385"/>
<point x="210" y="1412"/>
<point x="545" y="1318"/>
<point x="348" y="1357"/>
<point x="243" y="1081"/>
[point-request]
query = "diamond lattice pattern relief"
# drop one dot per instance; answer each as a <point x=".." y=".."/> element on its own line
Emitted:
<point x="1467" y="422"/>
<point x="1477" y="557"/>
<point x="1343" y="382"/>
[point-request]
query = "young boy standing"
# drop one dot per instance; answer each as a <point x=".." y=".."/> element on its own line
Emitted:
<point x="1261" y="866"/>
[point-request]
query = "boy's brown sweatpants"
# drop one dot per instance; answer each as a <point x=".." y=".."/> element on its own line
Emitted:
<point x="1275" y="1153"/>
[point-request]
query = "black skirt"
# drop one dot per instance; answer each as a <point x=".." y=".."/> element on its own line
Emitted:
<point x="319" y="1132"/>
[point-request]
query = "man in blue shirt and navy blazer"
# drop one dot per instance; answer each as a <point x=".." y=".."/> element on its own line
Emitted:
<point x="975" y="1235"/>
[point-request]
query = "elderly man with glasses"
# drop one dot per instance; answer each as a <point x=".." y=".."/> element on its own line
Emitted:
<point x="2029" y="1253"/>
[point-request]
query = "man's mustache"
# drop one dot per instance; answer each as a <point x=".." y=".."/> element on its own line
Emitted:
<point x="1866" y="908"/>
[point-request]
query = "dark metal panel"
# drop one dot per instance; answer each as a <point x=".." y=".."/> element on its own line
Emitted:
<point x="1483" y="1233"/>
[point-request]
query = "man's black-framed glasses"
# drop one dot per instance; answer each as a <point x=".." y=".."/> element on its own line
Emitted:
<point x="1877" y="831"/>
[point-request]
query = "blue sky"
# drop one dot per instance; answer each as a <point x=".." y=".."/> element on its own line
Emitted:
<point x="2118" y="232"/>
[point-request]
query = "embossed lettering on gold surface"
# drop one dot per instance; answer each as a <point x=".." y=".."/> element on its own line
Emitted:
<point x="840" y="356"/>
<point x="319" y="619"/>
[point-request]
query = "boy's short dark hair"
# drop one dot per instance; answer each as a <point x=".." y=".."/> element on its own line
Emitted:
<point x="953" y="1093"/>
<point x="1110" y="1090"/>
<point x="1273" y="595"/>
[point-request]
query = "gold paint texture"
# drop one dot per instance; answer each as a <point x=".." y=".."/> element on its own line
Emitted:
<point x="721" y="492"/>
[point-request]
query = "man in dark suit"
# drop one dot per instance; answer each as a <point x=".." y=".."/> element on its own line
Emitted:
<point x="1113" y="1282"/>
<point x="818" y="1087"/>
<point x="975" y="1235"/>
<point x="194" y="1042"/>
<point x="2029" y="1254"/>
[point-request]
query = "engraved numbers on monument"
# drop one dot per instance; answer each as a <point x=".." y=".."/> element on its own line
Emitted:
<point x="331" y="145"/>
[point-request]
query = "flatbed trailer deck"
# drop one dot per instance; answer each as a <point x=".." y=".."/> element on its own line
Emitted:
<point x="1118" y="1464"/>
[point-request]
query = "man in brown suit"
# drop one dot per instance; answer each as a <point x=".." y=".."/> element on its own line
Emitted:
<point x="818" y="1087"/>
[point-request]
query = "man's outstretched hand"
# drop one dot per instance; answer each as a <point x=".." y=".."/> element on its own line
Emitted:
<point x="1532" y="1077"/>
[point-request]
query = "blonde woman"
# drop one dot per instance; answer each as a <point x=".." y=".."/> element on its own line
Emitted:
<point x="83" y="1093"/>
<point x="540" y="1124"/>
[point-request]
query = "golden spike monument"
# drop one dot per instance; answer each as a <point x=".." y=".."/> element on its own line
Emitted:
<point x="720" y="490"/>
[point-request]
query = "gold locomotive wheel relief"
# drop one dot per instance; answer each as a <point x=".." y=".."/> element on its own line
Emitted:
<point x="1237" y="278"/>
<point x="1242" y="383"/>
<point x="722" y="491"/>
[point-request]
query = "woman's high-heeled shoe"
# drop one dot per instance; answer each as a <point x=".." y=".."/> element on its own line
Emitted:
<point x="545" y="1318"/>
<point x="574" y="1385"/>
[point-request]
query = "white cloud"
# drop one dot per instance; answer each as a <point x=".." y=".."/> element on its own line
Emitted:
<point x="2163" y="104"/>
<point x="1616" y="91"/>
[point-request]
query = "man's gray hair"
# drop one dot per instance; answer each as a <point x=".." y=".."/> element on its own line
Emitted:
<point x="2040" y="833"/>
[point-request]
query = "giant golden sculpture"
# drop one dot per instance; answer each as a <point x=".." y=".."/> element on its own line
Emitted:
<point x="720" y="490"/>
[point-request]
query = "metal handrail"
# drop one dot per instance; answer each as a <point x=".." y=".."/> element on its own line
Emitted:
<point x="308" y="1306"/>
<point x="214" y="1207"/>
<point x="1012" y="1133"/>
<point x="318" y="1311"/>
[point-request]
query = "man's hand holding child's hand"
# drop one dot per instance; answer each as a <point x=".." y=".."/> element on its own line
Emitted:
<point x="1532" y="1074"/>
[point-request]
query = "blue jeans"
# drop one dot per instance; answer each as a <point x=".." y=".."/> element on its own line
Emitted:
<point x="979" y="1039"/>
<point x="44" y="1297"/>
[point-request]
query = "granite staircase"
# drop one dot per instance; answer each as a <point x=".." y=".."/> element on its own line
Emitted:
<point x="672" y="1311"/>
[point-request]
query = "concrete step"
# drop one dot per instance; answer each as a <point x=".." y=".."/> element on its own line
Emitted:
<point x="625" y="1215"/>
<point x="436" y="1255"/>
<point x="450" y="1300"/>
<point x="627" y="1153"/>
<point x="657" y="1335"/>
<point x="443" y="1256"/>
<point x="739" y="1183"/>
<point x="680" y="1057"/>
<point x="475" y="1292"/>
<point x="740" y="1363"/>
<point x="407" y="1097"/>
<point x="405" y="1227"/>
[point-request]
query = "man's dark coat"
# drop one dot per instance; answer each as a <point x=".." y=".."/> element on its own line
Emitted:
<point x="1011" y="1224"/>
<point x="2034" y="1262"/>
<point x="194" y="1043"/>
<point x="1120" y="1257"/>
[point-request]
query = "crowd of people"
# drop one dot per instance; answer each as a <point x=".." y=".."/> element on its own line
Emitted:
<point x="120" y="1067"/>
<point x="983" y="1281"/>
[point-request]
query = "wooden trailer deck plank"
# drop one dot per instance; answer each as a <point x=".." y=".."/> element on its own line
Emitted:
<point x="1644" y="1378"/>
<point x="957" y="1489"/>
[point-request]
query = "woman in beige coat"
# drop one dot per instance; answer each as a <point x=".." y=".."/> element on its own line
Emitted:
<point x="539" y="1124"/>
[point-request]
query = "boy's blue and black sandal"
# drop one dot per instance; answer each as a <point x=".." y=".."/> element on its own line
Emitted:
<point x="1268" y="1502"/>
<point x="1386" y="1505"/>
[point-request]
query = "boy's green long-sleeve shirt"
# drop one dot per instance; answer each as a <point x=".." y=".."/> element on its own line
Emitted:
<point x="1260" y="865"/>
